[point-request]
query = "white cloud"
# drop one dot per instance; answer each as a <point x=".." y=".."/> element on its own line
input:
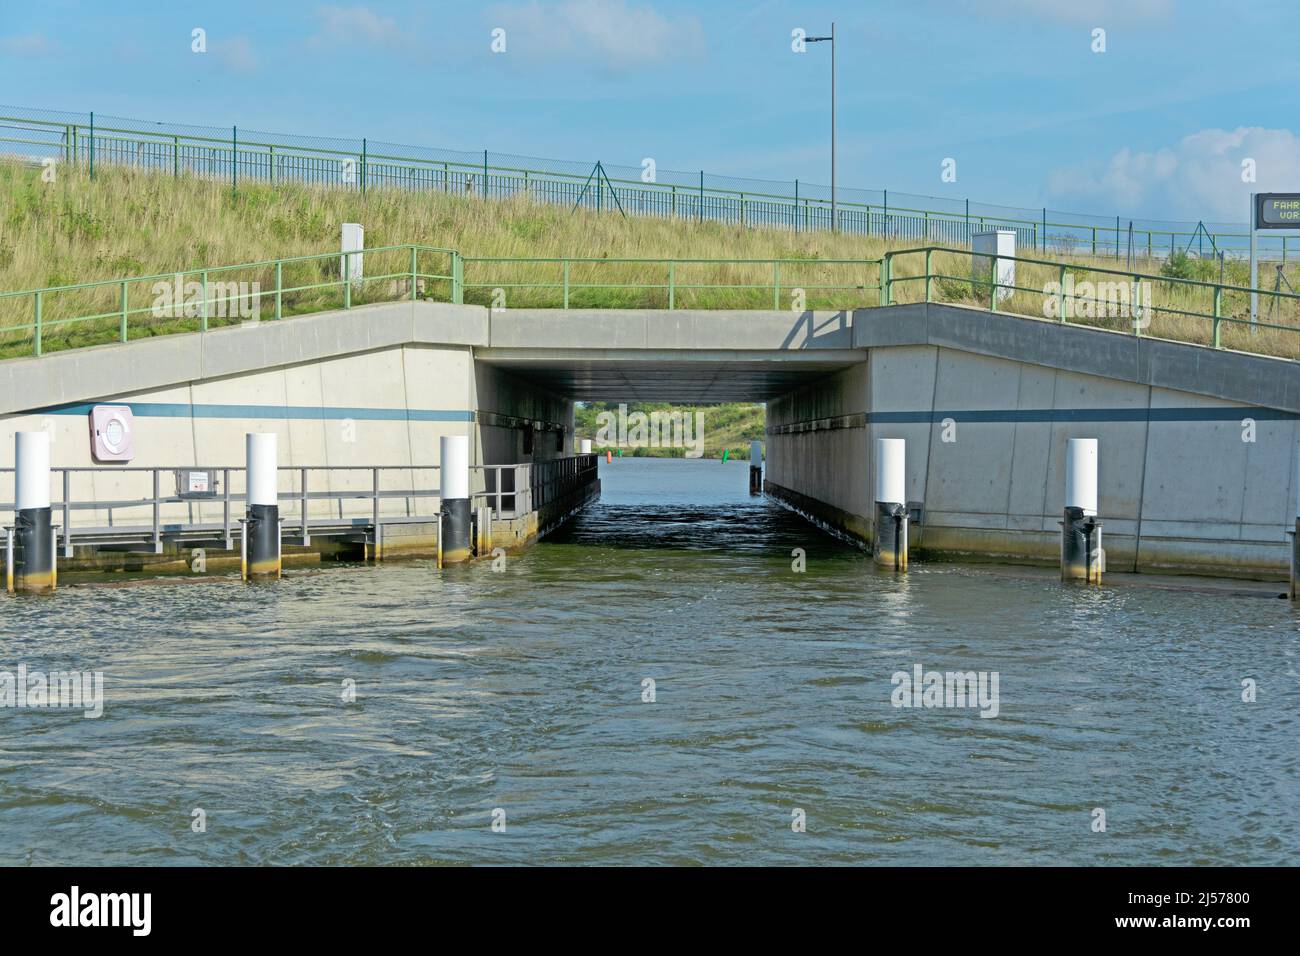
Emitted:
<point x="609" y="32"/>
<point x="29" y="44"/>
<point x="1199" y="177"/>
<point x="353" y="24"/>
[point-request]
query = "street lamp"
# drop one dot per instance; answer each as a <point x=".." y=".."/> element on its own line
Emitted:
<point x="835" y="222"/>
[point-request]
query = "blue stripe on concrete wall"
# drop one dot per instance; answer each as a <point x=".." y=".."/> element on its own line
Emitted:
<point x="1143" y="414"/>
<point x="308" y="412"/>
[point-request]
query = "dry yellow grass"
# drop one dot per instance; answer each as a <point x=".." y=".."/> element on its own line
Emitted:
<point x="133" y="223"/>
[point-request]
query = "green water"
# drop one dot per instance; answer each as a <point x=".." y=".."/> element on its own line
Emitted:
<point x="521" y="690"/>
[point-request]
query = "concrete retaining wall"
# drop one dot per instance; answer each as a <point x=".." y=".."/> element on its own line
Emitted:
<point x="986" y="436"/>
<point x="375" y="386"/>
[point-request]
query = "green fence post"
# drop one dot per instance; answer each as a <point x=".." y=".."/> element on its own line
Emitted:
<point x="36" y="326"/>
<point x="279" y="287"/>
<point x="457" y="279"/>
<point x="124" y="310"/>
<point x="565" y="270"/>
<point x="347" y="281"/>
<point x="1218" y="312"/>
<point x="1094" y="240"/>
<point x="271" y="165"/>
<point x="1060" y="295"/>
<point x="796" y="207"/>
<point x="672" y="284"/>
<point x="700" y="210"/>
<point x="234" y="160"/>
<point x="776" y="284"/>
<point x="176" y="158"/>
<point x="203" y="316"/>
<point x="92" y="144"/>
<point x="993" y="283"/>
<point x="884" y="278"/>
<point x="414" y="272"/>
<point x="928" y="253"/>
<point x="363" y="165"/>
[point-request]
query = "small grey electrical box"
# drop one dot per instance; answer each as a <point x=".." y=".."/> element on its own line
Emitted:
<point x="196" y="483"/>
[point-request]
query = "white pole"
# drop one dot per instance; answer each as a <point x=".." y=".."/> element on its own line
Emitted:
<point x="454" y="534"/>
<point x="1254" y="266"/>
<point x="32" y="462"/>
<point x="891" y="473"/>
<point x="261" y="458"/>
<point x="454" y="467"/>
<point x="1081" y="475"/>
<point x="586" y="446"/>
<point x="755" y="454"/>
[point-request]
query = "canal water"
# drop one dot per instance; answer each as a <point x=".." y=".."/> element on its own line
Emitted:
<point x="520" y="696"/>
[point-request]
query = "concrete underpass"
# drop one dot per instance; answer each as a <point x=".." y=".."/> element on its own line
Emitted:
<point x="1197" y="446"/>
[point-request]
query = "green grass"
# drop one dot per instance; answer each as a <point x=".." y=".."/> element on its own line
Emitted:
<point x="728" y="426"/>
<point x="128" y="222"/>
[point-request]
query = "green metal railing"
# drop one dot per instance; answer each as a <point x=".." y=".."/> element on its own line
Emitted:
<point x="1130" y="301"/>
<point x="197" y="300"/>
<point x="203" y="298"/>
<point x="240" y="156"/>
<point x="665" y="280"/>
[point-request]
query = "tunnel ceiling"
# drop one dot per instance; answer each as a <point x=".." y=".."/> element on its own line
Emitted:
<point x="680" y="379"/>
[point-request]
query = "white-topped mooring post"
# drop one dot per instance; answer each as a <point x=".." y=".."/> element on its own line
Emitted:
<point x="1082" y="557"/>
<point x="755" y="467"/>
<point x="453" y="472"/>
<point x="584" y="446"/>
<point x="891" y="503"/>
<point x="1294" y="589"/>
<point x="262" y="551"/>
<point x="31" y="566"/>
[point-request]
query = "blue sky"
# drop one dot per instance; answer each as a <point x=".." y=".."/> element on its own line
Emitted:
<point x="1157" y="126"/>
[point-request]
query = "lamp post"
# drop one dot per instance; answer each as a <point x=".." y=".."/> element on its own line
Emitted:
<point x="835" y="222"/>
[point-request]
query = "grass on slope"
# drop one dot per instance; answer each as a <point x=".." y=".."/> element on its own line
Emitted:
<point x="728" y="426"/>
<point x="128" y="222"/>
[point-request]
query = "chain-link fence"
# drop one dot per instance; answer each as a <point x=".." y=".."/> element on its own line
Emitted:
<point x="241" y="155"/>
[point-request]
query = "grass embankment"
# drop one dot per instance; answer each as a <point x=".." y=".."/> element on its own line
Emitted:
<point x="728" y="427"/>
<point x="129" y="222"/>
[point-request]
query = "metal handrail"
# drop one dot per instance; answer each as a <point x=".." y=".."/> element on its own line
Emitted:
<point x="877" y="275"/>
<point x="995" y="287"/>
<point x="506" y="502"/>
